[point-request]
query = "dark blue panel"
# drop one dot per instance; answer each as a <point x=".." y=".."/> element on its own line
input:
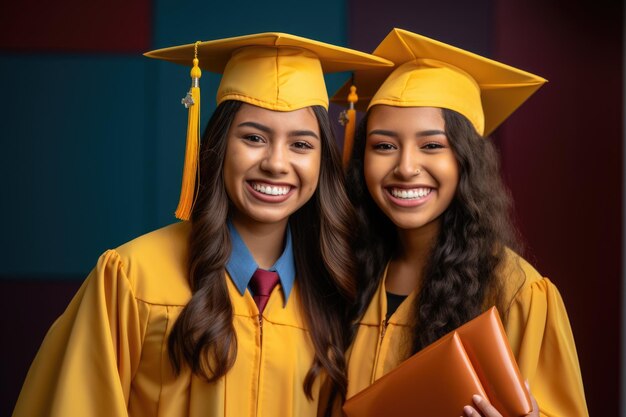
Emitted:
<point x="72" y="160"/>
<point x="179" y="22"/>
<point x="92" y="146"/>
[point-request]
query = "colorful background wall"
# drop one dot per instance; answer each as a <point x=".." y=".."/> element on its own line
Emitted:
<point x="92" y="139"/>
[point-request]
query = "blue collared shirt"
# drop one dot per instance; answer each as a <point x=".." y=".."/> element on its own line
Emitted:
<point x="241" y="265"/>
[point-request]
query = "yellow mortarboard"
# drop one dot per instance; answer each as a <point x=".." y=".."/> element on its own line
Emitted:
<point x="429" y="73"/>
<point x="276" y="71"/>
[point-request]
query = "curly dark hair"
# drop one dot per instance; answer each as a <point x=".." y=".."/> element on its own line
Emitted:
<point x="461" y="274"/>
<point x="203" y="337"/>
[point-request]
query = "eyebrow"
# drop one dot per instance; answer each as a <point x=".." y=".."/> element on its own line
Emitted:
<point x="255" y="125"/>
<point x="268" y="130"/>
<point x="393" y="134"/>
<point x="309" y="133"/>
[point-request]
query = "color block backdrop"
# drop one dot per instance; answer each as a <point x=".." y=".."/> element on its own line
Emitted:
<point x="92" y="141"/>
<point x="93" y="137"/>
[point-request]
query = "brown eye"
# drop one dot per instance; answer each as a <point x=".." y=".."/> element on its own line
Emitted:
<point x="384" y="146"/>
<point x="254" y="138"/>
<point x="302" y="145"/>
<point x="432" y="146"/>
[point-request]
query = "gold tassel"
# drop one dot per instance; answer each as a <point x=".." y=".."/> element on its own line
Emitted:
<point x="350" y="126"/>
<point x="190" y="169"/>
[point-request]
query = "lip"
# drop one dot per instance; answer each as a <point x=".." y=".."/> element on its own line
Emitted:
<point x="269" y="198"/>
<point x="407" y="203"/>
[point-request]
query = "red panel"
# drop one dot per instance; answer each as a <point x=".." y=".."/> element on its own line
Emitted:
<point x="76" y="25"/>
<point x="562" y="157"/>
<point x="27" y="309"/>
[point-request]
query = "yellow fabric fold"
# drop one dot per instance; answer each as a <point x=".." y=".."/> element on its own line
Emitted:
<point x="284" y="79"/>
<point x="541" y="338"/>
<point x="430" y="73"/>
<point x="537" y="328"/>
<point x="107" y="354"/>
<point x="90" y="355"/>
<point x="276" y="71"/>
<point x="432" y="83"/>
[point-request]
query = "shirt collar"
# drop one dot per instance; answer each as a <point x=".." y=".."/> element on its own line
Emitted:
<point x="241" y="265"/>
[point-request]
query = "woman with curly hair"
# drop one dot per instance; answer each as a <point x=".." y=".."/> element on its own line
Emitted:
<point x="436" y="245"/>
<point x="240" y="310"/>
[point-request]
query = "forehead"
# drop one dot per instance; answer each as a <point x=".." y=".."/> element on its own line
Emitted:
<point x="405" y="118"/>
<point x="301" y="119"/>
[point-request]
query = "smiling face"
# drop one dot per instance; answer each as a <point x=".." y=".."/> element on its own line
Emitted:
<point x="272" y="163"/>
<point x="409" y="167"/>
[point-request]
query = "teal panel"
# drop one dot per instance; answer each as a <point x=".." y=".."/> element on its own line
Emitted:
<point x="185" y="22"/>
<point x="72" y="162"/>
<point x="92" y="145"/>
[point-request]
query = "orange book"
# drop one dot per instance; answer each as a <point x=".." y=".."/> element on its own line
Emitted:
<point x="441" y="378"/>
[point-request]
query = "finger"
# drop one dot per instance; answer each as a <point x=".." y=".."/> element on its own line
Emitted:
<point x="484" y="407"/>
<point x="469" y="411"/>
<point x="534" y="403"/>
<point x="535" y="411"/>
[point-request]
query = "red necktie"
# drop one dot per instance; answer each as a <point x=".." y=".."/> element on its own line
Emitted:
<point x="262" y="284"/>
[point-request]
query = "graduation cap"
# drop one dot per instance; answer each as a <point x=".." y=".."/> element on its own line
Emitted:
<point x="275" y="71"/>
<point x="429" y="73"/>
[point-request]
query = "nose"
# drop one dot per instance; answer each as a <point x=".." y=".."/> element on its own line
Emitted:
<point x="276" y="160"/>
<point x="408" y="164"/>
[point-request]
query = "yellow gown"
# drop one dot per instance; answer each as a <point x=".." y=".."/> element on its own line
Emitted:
<point x="537" y="328"/>
<point x="107" y="354"/>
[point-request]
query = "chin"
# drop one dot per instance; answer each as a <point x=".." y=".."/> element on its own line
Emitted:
<point x="408" y="222"/>
<point x="408" y="225"/>
<point x="269" y="217"/>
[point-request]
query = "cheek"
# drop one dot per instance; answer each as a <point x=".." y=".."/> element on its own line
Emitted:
<point x="309" y="171"/>
<point x="229" y="180"/>
<point x="228" y="167"/>
<point x="449" y="178"/>
<point x="240" y="158"/>
<point x="374" y="171"/>
<point x="234" y="164"/>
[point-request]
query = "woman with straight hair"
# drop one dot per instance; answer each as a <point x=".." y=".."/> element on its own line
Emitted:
<point x="239" y="310"/>
<point x="436" y="245"/>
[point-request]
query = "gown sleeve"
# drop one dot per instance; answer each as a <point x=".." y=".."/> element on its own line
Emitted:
<point x="541" y="338"/>
<point x="86" y="362"/>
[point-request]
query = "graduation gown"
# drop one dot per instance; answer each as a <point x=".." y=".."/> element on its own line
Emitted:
<point x="537" y="328"/>
<point x="107" y="354"/>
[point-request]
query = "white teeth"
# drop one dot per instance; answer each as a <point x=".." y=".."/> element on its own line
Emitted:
<point x="270" y="190"/>
<point x="411" y="194"/>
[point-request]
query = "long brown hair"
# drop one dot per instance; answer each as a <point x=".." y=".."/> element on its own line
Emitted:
<point x="203" y="337"/>
<point x="462" y="270"/>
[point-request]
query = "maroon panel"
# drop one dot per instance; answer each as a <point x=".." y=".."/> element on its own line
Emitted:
<point x="27" y="309"/>
<point x="466" y="24"/>
<point x="76" y="26"/>
<point x="562" y="155"/>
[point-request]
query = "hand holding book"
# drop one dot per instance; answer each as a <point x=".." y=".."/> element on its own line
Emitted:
<point x="482" y="407"/>
<point x="441" y="379"/>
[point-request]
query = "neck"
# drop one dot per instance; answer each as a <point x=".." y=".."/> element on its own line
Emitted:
<point x="416" y="244"/>
<point x="264" y="240"/>
<point x="407" y="266"/>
